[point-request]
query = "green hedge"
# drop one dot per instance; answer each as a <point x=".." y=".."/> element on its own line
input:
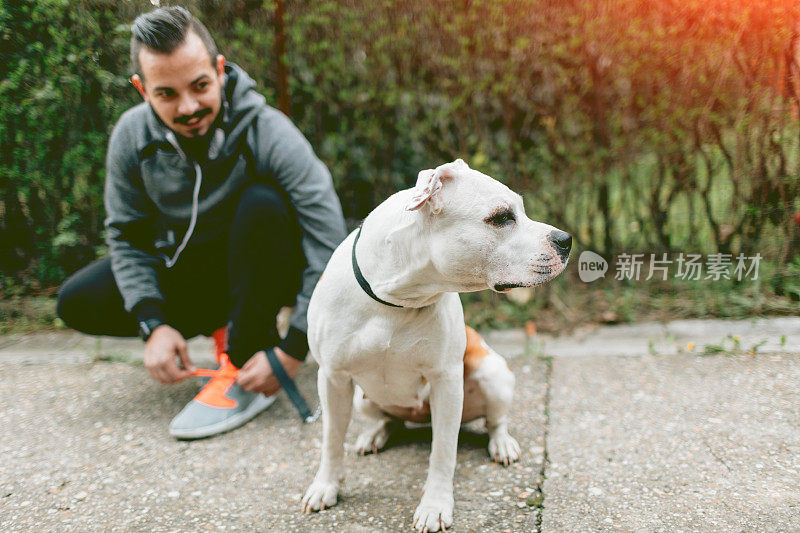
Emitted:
<point x="634" y="125"/>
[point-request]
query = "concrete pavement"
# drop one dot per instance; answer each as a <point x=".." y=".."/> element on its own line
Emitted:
<point x="626" y="428"/>
<point x="674" y="443"/>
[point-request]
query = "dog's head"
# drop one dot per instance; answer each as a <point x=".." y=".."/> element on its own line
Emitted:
<point x="480" y="235"/>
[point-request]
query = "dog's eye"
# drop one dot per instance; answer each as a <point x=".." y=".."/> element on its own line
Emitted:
<point x="502" y="218"/>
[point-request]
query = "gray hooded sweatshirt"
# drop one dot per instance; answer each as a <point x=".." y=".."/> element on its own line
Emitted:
<point x="156" y="194"/>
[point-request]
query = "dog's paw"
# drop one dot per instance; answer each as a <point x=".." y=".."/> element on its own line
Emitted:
<point x="319" y="496"/>
<point x="433" y="513"/>
<point x="372" y="439"/>
<point x="504" y="449"/>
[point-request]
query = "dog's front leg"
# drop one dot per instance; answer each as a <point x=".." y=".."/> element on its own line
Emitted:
<point x="336" y="399"/>
<point x="435" y="510"/>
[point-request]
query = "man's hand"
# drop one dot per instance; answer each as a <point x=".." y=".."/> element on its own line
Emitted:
<point x="160" y="351"/>
<point x="256" y="374"/>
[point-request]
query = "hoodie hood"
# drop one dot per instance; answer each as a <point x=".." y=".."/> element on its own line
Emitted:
<point x="241" y="106"/>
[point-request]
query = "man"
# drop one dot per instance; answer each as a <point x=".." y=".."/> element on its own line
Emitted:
<point x="218" y="213"/>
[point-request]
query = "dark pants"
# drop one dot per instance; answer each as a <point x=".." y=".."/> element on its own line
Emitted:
<point x="243" y="280"/>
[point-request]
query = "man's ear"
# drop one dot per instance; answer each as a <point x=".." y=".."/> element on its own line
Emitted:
<point x="220" y="62"/>
<point x="429" y="183"/>
<point x="139" y="84"/>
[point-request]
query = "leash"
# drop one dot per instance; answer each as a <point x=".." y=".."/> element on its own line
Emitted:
<point x="291" y="389"/>
<point x="362" y="280"/>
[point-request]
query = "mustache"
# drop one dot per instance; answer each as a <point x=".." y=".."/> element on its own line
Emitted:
<point x="198" y="114"/>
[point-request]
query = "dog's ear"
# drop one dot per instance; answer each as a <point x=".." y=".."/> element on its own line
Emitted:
<point x="429" y="183"/>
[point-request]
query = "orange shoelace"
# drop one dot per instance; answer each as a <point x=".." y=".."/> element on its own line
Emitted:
<point x="226" y="369"/>
<point x="213" y="394"/>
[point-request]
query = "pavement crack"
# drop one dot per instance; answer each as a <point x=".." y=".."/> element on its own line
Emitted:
<point x="718" y="458"/>
<point x="537" y="500"/>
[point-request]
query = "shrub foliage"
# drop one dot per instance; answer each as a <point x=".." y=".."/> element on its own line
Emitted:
<point x="658" y="126"/>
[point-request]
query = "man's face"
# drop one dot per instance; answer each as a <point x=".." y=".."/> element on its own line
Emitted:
<point x="183" y="87"/>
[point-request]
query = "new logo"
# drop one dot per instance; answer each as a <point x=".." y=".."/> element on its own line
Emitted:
<point x="591" y="266"/>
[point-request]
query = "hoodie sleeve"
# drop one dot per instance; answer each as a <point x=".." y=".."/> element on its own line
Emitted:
<point x="129" y="223"/>
<point x="288" y="157"/>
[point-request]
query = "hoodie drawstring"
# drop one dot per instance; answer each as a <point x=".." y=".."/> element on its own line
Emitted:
<point x="198" y="180"/>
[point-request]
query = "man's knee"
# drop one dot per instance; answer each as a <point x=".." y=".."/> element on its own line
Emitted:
<point x="89" y="302"/>
<point x="261" y="203"/>
<point x="68" y="306"/>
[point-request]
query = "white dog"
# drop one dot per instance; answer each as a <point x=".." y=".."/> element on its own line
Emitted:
<point x="386" y="316"/>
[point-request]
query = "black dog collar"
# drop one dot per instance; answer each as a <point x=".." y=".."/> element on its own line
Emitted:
<point x="360" y="277"/>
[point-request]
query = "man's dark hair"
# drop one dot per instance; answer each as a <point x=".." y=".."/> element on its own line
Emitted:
<point x="165" y="29"/>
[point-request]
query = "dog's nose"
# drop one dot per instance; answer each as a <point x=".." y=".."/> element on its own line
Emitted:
<point x="562" y="242"/>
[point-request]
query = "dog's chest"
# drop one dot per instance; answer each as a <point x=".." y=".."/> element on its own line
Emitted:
<point x="389" y="363"/>
<point x="400" y="387"/>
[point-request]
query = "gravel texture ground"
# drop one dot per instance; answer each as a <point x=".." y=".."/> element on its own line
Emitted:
<point x="85" y="448"/>
<point x="653" y="438"/>
<point x="674" y="443"/>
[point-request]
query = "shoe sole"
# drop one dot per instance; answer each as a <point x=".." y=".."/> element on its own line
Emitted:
<point x="256" y="406"/>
